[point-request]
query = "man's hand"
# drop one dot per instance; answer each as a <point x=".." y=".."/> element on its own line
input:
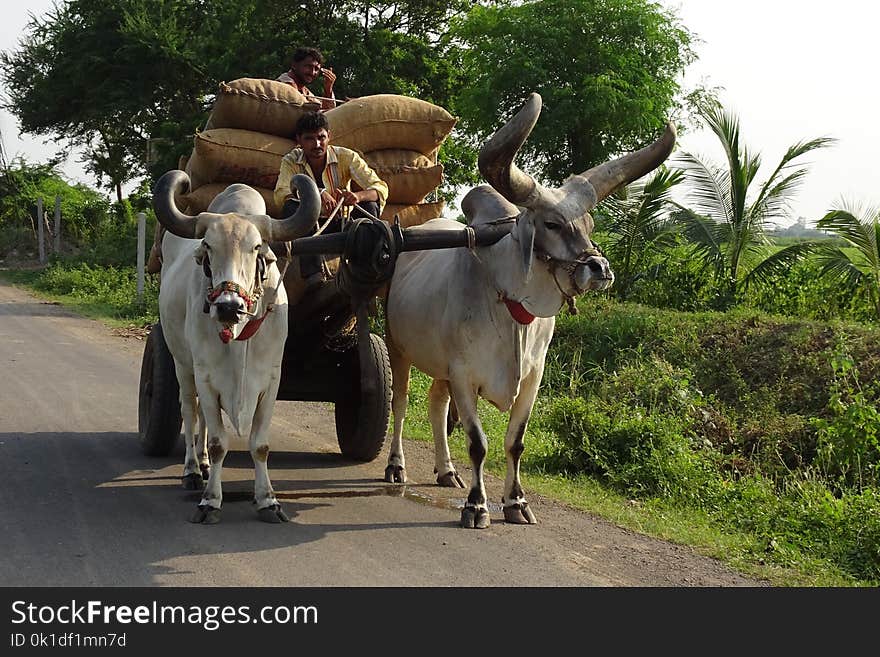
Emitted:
<point x="328" y="203"/>
<point x="329" y="80"/>
<point x="348" y="197"/>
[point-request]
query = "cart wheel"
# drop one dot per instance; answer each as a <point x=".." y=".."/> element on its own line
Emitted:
<point x="159" y="417"/>
<point x="362" y="420"/>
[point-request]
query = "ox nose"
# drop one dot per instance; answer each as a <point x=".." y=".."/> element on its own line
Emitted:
<point x="594" y="274"/>
<point x="229" y="312"/>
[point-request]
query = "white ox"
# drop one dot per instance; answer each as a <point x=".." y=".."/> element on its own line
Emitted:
<point x="224" y="316"/>
<point x="479" y="322"/>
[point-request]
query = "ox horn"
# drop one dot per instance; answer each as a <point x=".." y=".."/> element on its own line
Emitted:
<point x="496" y="156"/>
<point x="304" y="219"/>
<point x="167" y="187"/>
<point x="607" y="177"/>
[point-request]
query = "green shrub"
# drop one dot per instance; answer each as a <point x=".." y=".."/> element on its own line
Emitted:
<point x="641" y="453"/>
<point x="849" y="439"/>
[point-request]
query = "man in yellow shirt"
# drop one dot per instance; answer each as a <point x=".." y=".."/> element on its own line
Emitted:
<point x="333" y="168"/>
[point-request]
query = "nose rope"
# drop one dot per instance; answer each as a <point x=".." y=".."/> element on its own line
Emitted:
<point x="235" y="288"/>
<point x="569" y="267"/>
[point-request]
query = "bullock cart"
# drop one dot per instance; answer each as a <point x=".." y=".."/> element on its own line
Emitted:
<point x="330" y="354"/>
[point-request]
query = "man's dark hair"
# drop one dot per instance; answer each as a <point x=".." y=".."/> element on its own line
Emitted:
<point x="311" y="122"/>
<point x="304" y="53"/>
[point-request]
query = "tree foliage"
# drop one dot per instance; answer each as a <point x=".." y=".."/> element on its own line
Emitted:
<point x="607" y="71"/>
<point x="725" y="221"/>
<point x="856" y="268"/>
<point x="104" y="75"/>
<point x="637" y="221"/>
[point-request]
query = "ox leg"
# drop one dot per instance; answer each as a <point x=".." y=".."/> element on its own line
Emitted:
<point x="438" y="409"/>
<point x="192" y="478"/>
<point x="218" y="445"/>
<point x="268" y="507"/>
<point x="475" y="514"/>
<point x="202" y="447"/>
<point x="516" y="508"/>
<point x="395" y="471"/>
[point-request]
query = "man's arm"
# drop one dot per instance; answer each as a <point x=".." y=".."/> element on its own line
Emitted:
<point x="368" y="180"/>
<point x="282" y="187"/>
<point x="329" y="80"/>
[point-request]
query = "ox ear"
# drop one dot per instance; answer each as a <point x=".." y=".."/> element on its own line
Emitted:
<point x="267" y="254"/>
<point x="200" y="253"/>
<point x="525" y="235"/>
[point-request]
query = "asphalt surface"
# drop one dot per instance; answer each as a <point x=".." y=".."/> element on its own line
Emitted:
<point x="80" y="505"/>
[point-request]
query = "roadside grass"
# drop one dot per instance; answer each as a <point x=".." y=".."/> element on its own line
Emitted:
<point x="656" y="517"/>
<point x="104" y="293"/>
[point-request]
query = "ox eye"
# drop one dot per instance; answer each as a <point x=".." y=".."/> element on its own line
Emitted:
<point x="550" y="225"/>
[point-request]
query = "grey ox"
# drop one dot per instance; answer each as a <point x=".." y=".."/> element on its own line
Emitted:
<point x="479" y="321"/>
<point x="223" y="311"/>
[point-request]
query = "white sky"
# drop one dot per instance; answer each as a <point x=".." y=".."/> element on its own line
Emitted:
<point x="791" y="69"/>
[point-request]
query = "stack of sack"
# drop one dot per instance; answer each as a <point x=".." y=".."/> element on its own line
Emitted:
<point x="399" y="137"/>
<point x="251" y="128"/>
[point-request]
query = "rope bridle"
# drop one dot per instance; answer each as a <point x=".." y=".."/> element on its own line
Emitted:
<point x="569" y="267"/>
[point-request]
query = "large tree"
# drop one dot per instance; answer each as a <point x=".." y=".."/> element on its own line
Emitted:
<point x="607" y="71"/>
<point x="105" y="75"/>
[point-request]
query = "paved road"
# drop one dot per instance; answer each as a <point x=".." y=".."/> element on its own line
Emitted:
<point x="81" y="506"/>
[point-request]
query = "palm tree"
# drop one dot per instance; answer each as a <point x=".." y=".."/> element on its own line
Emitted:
<point x="858" y="266"/>
<point x="725" y="223"/>
<point x="637" y="221"/>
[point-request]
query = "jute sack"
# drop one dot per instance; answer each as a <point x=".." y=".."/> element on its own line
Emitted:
<point x="396" y="157"/>
<point x="260" y="105"/>
<point x="412" y="215"/>
<point x="409" y="185"/>
<point x="199" y="199"/>
<point x="231" y="155"/>
<point x="410" y="175"/>
<point x="372" y="123"/>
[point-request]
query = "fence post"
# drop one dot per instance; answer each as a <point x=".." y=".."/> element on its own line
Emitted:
<point x="142" y="240"/>
<point x="57" y="223"/>
<point x="41" y="232"/>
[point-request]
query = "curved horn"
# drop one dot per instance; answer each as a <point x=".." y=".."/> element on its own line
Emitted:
<point x="166" y="188"/>
<point x="496" y="156"/>
<point x="607" y="177"/>
<point x="306" y="215"/>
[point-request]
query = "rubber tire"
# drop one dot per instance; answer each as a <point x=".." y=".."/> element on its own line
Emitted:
<point x="361" y="428"/>
<point x="159" y="417"/>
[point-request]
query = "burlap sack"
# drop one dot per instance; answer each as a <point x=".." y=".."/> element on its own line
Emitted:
<point x="409" y="185"/>
<point x="372" y="123"/>
<point x="412" y="215"/>
<point x="260" y="105"/>
<point x="199" y="199"/>
<point x="231" y="155"/>
<point x="390" y="158"/>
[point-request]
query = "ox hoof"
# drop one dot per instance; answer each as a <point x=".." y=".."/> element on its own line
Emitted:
<point x="474" y="518"/>
<point x="193" y="481"/>
<point x="274" y="514"/>
<point x="519" y="514"/>
<point x="450" y="480"/>
<point x="206" y="515"/>
<point x="395" y="474"/>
